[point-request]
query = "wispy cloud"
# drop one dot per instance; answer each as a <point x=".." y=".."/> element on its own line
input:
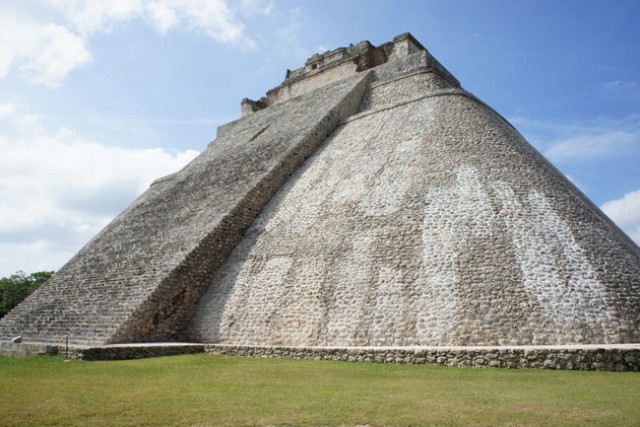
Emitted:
<point x="600" y="138"/>
<point x="592" y="146"/>
<point x="42" y="54"/>
<point x="626" y="213"/>
<point x="162" y="16"/>
<point x="6" y="110"/>
<point x="261" y="7"/>
<point x="288" y="35"/>
<point x="44" y="41"/>
<point x="213" y="18"/>
<point x="621" y="89"/>
<point x="53" y="179"/>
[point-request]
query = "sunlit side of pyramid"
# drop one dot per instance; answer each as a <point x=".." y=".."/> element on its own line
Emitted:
<point x="367" y="201"/>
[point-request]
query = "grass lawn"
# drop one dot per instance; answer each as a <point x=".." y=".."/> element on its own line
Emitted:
<point x="215" y="390"/>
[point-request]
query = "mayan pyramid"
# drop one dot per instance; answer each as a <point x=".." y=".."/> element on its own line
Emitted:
<point x="368" y="200"/>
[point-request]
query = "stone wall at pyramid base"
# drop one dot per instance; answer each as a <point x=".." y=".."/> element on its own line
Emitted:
<point x="617" y="358"/>
<point x="579" y="358"/>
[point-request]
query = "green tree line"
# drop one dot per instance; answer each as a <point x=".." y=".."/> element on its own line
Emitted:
<point x="18" y="286"/>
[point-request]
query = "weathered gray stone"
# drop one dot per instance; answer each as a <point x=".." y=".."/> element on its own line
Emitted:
<point x="27" y="349"/>
<point x="514" y="357"/>
<point x="425" y="219"/>
<point x="140" y="278"/>
<point x="368" y="201"/>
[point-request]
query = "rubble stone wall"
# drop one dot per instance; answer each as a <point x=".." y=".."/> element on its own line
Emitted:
<point x="579" y="359"/>
<point x="125" y="352"/>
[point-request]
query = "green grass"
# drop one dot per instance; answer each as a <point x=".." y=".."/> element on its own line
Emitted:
<point x="215" y="390"/>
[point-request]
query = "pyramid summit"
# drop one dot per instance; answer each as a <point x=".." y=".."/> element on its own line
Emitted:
<point x="368" y="200"/>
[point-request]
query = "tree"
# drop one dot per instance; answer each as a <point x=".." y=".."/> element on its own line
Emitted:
<point x="18" y="286"/>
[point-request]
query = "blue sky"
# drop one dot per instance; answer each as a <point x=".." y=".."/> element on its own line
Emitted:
<point x="97" y="99"/>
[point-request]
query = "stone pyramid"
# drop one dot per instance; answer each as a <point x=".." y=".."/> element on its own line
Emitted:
<point x="366" y="201"/>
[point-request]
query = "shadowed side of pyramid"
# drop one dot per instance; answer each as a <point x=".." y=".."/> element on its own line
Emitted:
<point x="140" y="278"/>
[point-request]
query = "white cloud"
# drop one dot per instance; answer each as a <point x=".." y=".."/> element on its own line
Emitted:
<point x="89" y="16"/>
<point x="57" y="189"/>
<point x="6" y="110"/>
<point x="621" y="89"/>
<point x="626" y="213"/>
<point x="43" y="54"/>
<point x="618" y="85"/>
<point x="33" y="256"/>
<point x="212" y="18"/>
<point x="263" y="7"/>
<point x="162" y="16"/>
<point x="209" y="17"/>
<point x="591" y="146"/>
<point x="566" y="142"/>
<point x="289" y="34"/>
<point x="43" y="41"/>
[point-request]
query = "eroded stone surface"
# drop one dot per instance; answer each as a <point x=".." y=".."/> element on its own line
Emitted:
<point x="429" y="223"/>
<point x="420" y="217"/>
